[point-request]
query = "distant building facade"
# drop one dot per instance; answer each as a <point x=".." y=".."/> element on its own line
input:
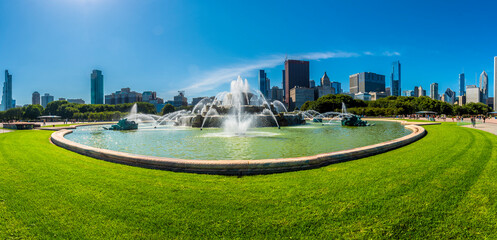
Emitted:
<point x="367" y="82"/>
<point x="484" y="86"/>
<point x="97" y="87"/>
<point x="473" y="94"/>
<point x="421" y="92"/>
<point x="377" y="95"/>
<point x="180" y="99"/>
<point x="296" y="75"/>
<point x="325" y="80"/>
<point x="312" y="83"/>
<point x="461" y="100"/>
<point x="450" y="96"/>
<point x="337" y="86"/>
<point x="363" y="96"/>
<point x="264" y="83"/>
<point x="300" y="95"/>
<point x="76" y="100"/>
<point x="7" y="101"/>
<point x="408" y="93"/>
<point x="320" y="91"/>
<point x="196" y="100"/>
<point x="490" y="102"/>
<point x="495" y="82"/>
<point x="434" y="91"/>
<point x="462" y="85"/>
<point x="45" y="99"/>
<point x="123" y="96"/>
<point x="395" y="79"/>
<point x="277" y="94"/>
<point x="35" y="98"/>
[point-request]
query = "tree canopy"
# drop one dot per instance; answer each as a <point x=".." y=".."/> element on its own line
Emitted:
<point x="392" y="106"/>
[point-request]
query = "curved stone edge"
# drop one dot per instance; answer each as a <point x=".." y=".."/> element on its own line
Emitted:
<point x="237" y="167"/>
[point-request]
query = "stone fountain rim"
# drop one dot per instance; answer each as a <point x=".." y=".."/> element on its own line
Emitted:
<point x="240" y="167"/>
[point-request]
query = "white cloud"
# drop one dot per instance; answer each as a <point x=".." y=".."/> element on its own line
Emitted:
<point x="390" y="54"/>
<point x="213" y="79"/>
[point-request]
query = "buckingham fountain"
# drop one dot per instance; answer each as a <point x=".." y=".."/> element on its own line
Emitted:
<point x="235" y="111"/>
<point x="236" y="132"/>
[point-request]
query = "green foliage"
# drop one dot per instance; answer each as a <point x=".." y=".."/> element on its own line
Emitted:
<point x="393" y="106"/>
<point x="32" y="111"/>
<point x="332" y="102"/>
<point x="52" y="107"/>
<point x="14" y="114"/>
<point x="66" y="110"/>
<point x="168" y="108"/>
<point x="442" y="186"/>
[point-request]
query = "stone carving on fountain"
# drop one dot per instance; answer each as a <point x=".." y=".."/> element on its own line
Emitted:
<point x="123" y="124"/>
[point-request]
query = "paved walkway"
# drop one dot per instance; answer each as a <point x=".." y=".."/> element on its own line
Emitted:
<point x="3" y="130"/>
<point x="488" y="127"/>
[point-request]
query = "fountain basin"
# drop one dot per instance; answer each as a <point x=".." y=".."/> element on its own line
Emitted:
<point x="238" y="167"/>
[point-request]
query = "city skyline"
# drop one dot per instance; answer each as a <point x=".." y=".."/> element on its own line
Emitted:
<point x="51" y="45"/>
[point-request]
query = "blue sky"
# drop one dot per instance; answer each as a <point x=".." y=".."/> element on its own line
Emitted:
<point x="51" y="46"/>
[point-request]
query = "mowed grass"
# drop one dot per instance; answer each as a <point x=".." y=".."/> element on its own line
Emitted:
<point x="443" y="186"/>
<point x="75" y="124"/>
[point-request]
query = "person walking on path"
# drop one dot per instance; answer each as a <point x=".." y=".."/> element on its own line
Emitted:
<point x="473" y="121"/>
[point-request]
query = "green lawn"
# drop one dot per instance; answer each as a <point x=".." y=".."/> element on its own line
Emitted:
<point x="73" y="124"/>
<point x="443" y="186"/>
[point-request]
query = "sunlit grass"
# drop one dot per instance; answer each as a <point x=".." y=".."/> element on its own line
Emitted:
<point x="443" y="186"/>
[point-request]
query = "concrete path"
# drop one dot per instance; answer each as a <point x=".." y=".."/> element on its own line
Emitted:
<point x="3" y="130"/>
<point x="488" y="127"/>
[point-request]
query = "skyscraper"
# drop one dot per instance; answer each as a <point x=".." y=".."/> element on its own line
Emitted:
<point x="495" y="82"/>
<point x="416" y="91"/>
<point x="395" y="79"/>
<point x="473" y="94"/>
<point x="337" y="86"/>
<point x="47" y="98"/>
<point x="421" y="92"/>
<point x="367" y="82"/>
<point x="296" y="75"/>
<point x="35" y="98"/>
<point x="462" y="85"/>
<point x="97" y="87"/>
<point x="450" y="96"/>
<point x="484" y="86"/>
<point x="264" y="83"/>
<point x="434" y="91"/>
<point x="7" y="100"/>
<point x="325" y="80"/>
<point x="283" y="84"/>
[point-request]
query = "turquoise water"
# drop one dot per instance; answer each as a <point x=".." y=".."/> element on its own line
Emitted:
<point x="258" y="143"/>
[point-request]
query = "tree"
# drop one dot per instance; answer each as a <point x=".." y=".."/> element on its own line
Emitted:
<point x="14" y="114"/>
<point x="168" y="108"/>
<point x="33" y="111"/>
<point x="309" y="105"/>
<point x="52" y="107"/>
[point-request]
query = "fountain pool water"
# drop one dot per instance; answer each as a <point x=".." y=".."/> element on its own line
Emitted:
<point x="216" y="143"/>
